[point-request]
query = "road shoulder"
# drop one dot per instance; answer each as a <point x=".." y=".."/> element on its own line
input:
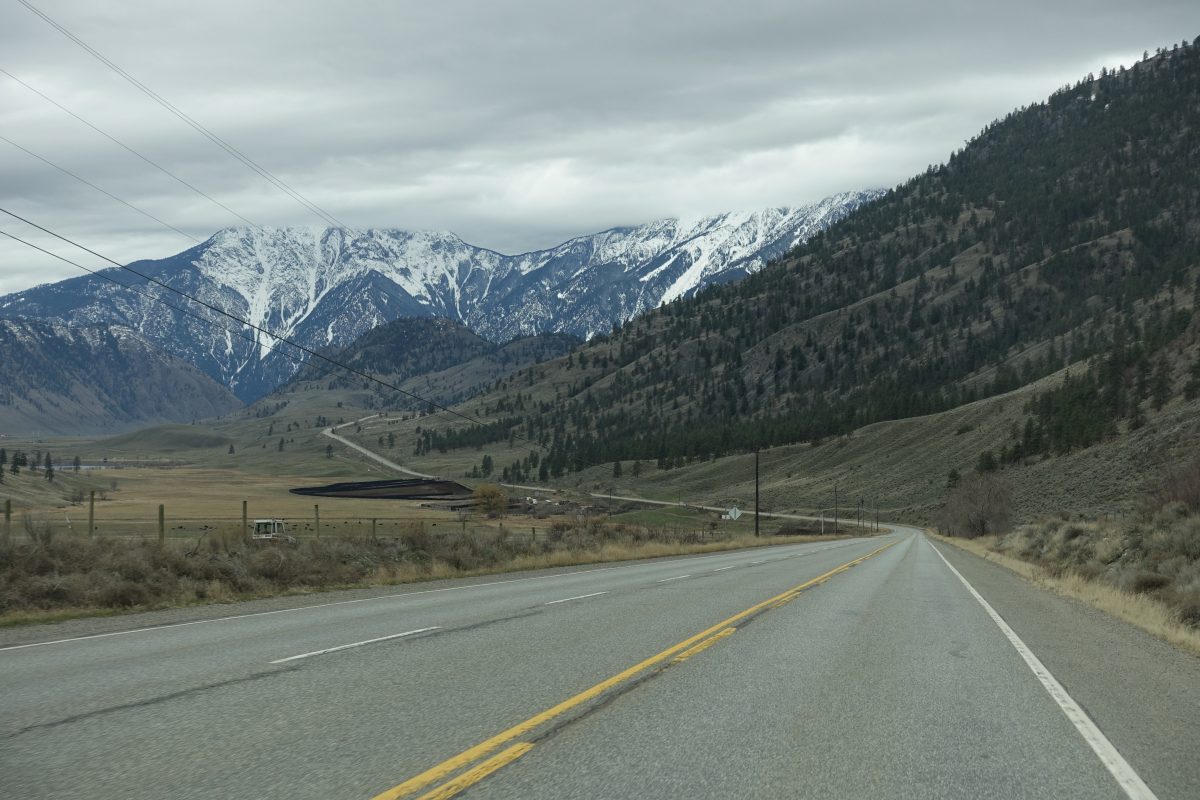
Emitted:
<point x="1142" y="692"/>
<point x="16" y="635"/>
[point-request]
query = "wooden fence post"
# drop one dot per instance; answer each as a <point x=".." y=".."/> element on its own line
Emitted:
<point x="245" y="521"/>
<point x="162" y="526"/>
<point x="372" y="527"/>
<point x="317" y="519"/>
<point x="92" y="514"/>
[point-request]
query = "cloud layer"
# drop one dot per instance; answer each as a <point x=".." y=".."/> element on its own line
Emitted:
<point x="516" y="125"/>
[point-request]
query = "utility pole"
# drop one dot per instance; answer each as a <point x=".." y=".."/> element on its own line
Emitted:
<point x="835" y="508"/>
<point x="756" y="492"/>
<point x="92" y="514"/>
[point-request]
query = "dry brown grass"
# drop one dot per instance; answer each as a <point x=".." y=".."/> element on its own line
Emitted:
<point x="1146" y="611"/>
<point x="194" y="492"/>
<point x="50" y="576"/>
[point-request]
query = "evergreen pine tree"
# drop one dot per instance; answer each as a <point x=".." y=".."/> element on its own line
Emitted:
<point x="1160" y="384"/>
<point x="1191" y="389"/>
<point x="616" y="469"/>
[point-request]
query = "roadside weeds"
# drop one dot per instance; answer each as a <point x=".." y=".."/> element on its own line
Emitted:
<point x="1139" y="609"/>
<point x="228" y="582"/>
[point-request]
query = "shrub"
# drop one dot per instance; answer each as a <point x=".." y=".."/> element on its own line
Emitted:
<point x="1147" y="582"/>
<point x="980" y="504"/>
<point x="1181" y="485"/>
<point x="490" y="499"/>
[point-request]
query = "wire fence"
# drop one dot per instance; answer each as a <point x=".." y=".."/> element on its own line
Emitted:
<point x="188" y="527"/>
<point x="30" y="526"/>
<point x="75" y="521"/>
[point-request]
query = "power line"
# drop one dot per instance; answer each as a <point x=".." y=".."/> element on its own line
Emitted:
<point x="118" y="142"/>
<point x="222" y="312"/>
<point x="203" y="131"/>
<point x="154" y="298"/>
<point x="66" y="171"/>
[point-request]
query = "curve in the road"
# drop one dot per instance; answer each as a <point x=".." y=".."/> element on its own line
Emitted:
<point x="330" y="432"/>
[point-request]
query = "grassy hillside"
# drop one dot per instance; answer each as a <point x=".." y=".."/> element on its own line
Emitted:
<point x="1062" y="237"/>
<point x="900" y="465"/>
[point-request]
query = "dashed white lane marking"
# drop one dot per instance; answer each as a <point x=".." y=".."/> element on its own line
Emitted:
<point x="153" y="628"/>
<point x="353" y="644"/>
<point x="676" y="578"/>
<point x="722" y="569"/>
<point x="1132" y="784"/>
<point x="577" y="597"/>
<point x="394" y="596"/>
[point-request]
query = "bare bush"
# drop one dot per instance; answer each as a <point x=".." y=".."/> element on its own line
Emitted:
<point x="38" y="529"/>
<point x="978" y="505"/>
<point x="1181" y="485"/>
<point x="50" y="572"/>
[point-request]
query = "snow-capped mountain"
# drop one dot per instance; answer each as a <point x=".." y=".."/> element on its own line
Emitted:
<point x="323" y="288"/>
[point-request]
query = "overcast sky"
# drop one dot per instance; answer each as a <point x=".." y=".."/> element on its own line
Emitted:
<point x="514" y="124"/>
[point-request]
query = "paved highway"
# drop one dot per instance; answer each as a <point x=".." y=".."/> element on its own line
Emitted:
<point x="872" y="667"/>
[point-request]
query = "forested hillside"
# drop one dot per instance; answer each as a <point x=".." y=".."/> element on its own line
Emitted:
<point x="440" y="359"/>
<point x="1066" y="233"/>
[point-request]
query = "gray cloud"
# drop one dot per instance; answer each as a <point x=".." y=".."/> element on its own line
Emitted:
<point x="516" y="125"/>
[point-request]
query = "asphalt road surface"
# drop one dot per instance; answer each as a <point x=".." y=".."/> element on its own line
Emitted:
<point x="867" y="668"/>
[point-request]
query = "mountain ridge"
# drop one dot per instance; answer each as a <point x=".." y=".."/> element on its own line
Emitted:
<point x="97" y="378"/>
<point x="325" y="288"/>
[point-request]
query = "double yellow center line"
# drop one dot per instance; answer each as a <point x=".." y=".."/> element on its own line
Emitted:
<point x="676" y="653"/>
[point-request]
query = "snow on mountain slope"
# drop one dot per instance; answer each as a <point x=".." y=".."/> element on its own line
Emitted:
<point x="323" y="288"/>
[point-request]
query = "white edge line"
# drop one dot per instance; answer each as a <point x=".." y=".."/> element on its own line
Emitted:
<point x="151" y="628"/>
<point x="676" y="578"/>
<point x="1134" y="787"/>
<point x="577" y="597"/>
<point x="354" y="644"/>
